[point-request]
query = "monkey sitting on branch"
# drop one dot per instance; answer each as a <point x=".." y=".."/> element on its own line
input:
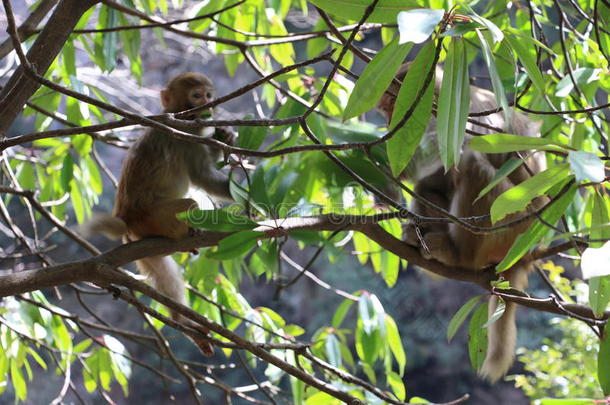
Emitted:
<point x="156" y="175"/>
<point x="457" y="192"/>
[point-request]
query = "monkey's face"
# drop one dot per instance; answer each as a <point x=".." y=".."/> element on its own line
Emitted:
<point x="198" y="96"/>
<point x="187" y="91"/>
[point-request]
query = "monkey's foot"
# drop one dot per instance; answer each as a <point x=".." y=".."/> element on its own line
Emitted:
<point x="440" y="247"/>
<point x="411" y="236"/>
<point x="195" y="232"/>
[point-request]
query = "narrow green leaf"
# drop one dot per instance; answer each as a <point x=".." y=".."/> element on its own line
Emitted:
<point x="496" y="82"/>
<point x="528" y="59"/>
<point x="393" y="339"/>
<point x="453" y="104"/>
<point x="69" y="58"/>
<point x="519" y="197"/>
<point x="385" y="11"/>
<point x="477" y="337"/>
<point x="582" y="76"/>
<point x="396" y="384"/>
<point x="574" y="401"/>
<point x="502" y="143"/>
<point x="18" y="381"/>
<point x="536" y="231"/>
<point x="404" y="143"/>
<point x="599" y="287"/>
<point x="375" y="79"/>
<point x="235" y="245"/>
<point x="67" y="172"/>
<point x="366" y="312"/>
<point x="333" y="352"/>
<point x="460" y="316"/>
<point x="500" y="308"/>
<point x="603" y="364"/>
<point x="599" y="292"/>
<point x="507" y="168"/>
<point x="340" y="313"/>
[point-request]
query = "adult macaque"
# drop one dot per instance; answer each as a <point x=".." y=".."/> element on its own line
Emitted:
<point x="456" y="191"/>
<point x="156" y="175"/>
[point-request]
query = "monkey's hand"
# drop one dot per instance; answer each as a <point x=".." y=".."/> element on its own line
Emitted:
<point x="225" y="135"/>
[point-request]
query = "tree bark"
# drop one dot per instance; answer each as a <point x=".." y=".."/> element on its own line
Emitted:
<point x="45" y="49"/>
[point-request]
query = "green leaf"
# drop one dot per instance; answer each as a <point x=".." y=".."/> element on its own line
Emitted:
<point x="599" y="289"/>
<point x="18" y="380"/>
<point x="393" y="339"/>
<point x="500" y="308"/>
<point x="366" y="312"/>
<point x="496" y="34"/>
<point x="251" y="137"/>
<point x="418" y="24"/>
<point x="575" y="401"/>
<point x="582" y="76"/>
<point x="536" y="231"/>
<point x="453" y="104"/>
<point x="603" y="364"/>
<point x="385" y="11"/>
<point x="217" y="220"/>
<point x="507" y="168"/>
<point x="496" y="82"/>
<point x="595" y="258"/>
<point x="528" y="59"/>
<point x="477" y="337"/>
<point x="67" y="172"/>
<point x="460" y="316"/>
<point x="340" y="313"/>
<point x="26" y="176"/>
<point x="586" y="166"/>
<point x="502" y="143"/>
<point x="235" y="245"/>
<point x="404" y="143"/>
<point x="333" y="352"/>
<point x="519" y="197"/>
<point x="375" y="79"/>
<point x="396" y="384"/>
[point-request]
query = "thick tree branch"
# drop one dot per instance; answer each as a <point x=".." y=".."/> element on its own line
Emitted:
<point x="91" y="269"/>
<point x="20" y="87"/>
<point x="28" y="28"/>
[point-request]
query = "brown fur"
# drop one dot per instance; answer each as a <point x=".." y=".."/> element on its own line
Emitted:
<point x="156" y="175"/>
<point x="456" y="192"/>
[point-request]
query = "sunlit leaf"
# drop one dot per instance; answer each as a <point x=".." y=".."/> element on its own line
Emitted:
<point x="519" y="197"/>
<point x="375" y="79"/>
<point x="460" y="316"/>
<point x="477" y="337"/>
<point x="402" y="146"/>
<point x="453" y="104"/>
<point x="234" y="245"/>
<point x="385" y="11"/>
<point x="418" y="24"/>
<point x="586" y="166"/>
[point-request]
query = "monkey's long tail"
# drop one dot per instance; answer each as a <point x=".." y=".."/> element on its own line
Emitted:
<point x="165" y="277"/>
<point x="106" y="224"/>
<point x="502" y="334"/>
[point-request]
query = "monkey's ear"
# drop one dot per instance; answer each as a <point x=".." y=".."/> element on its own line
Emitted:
<point x="165" y="98"/>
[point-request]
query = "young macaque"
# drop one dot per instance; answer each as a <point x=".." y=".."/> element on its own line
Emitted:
<point x="156" y="175"/>
<point x="456" y="191"/>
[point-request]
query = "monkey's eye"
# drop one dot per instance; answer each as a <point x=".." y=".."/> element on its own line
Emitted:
<point x="208" y="95"/>
<point x="197" y="94"/>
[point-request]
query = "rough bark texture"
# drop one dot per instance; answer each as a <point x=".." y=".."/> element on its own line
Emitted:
<point x="42" y="53"/>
